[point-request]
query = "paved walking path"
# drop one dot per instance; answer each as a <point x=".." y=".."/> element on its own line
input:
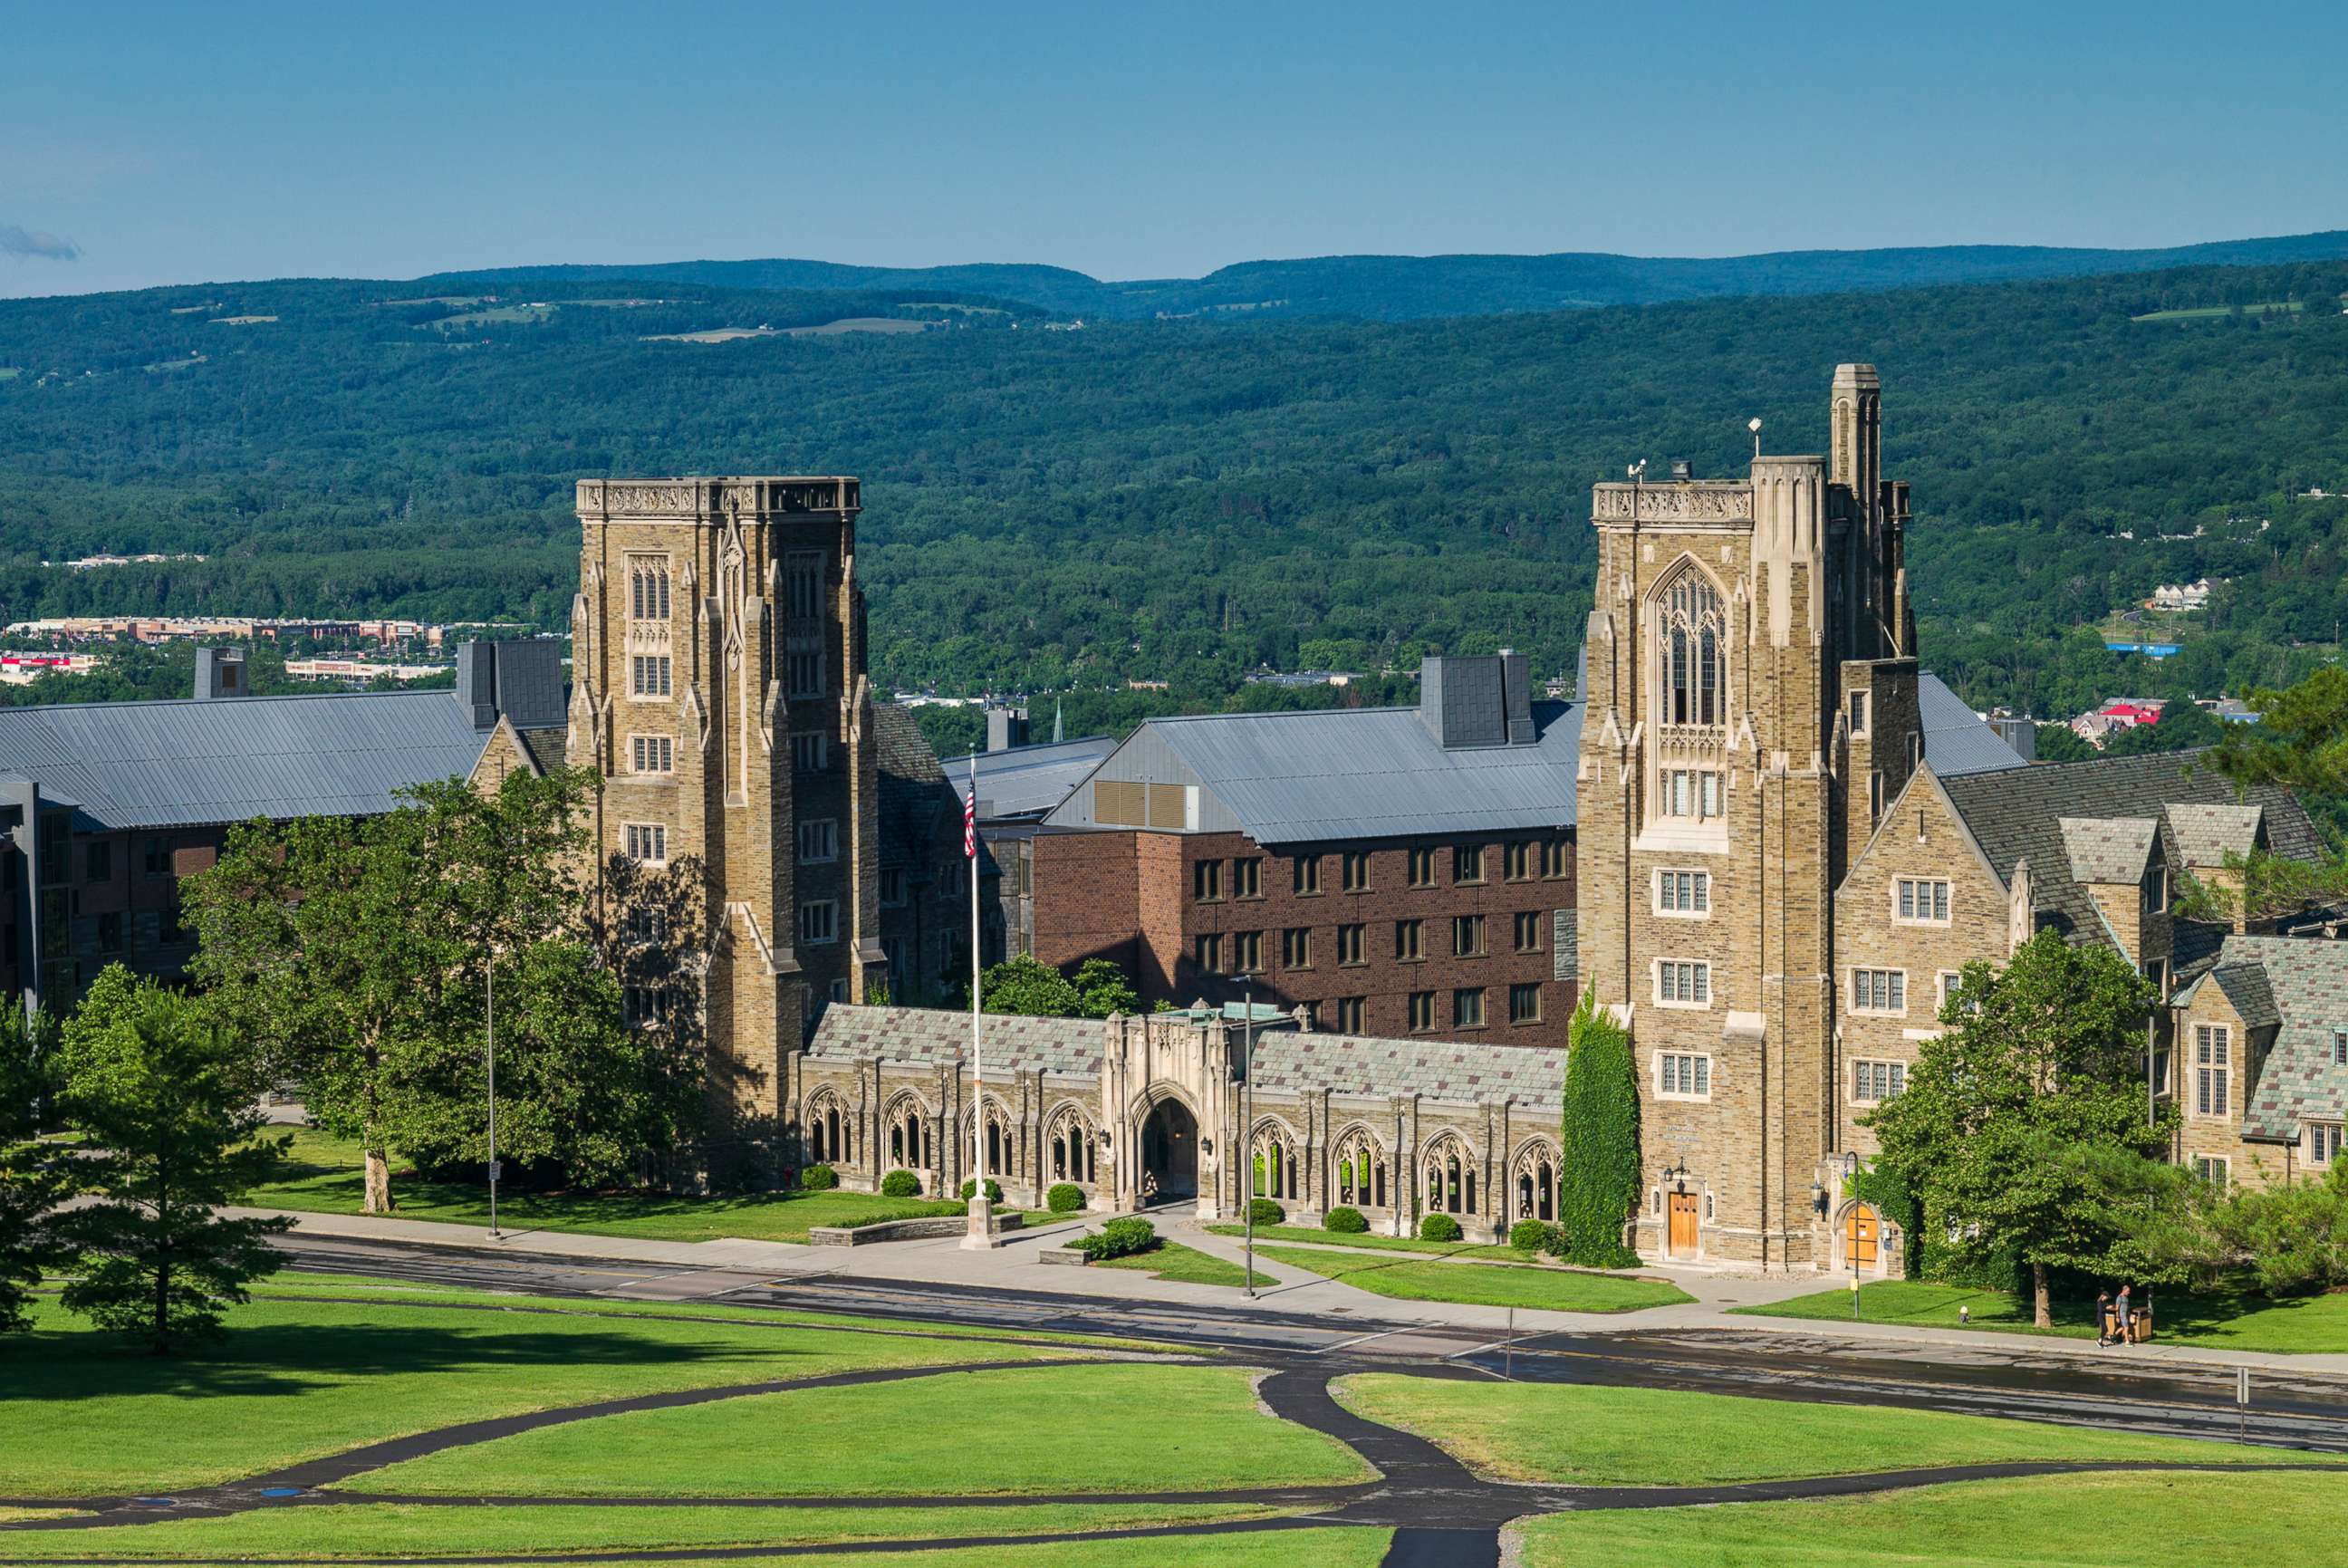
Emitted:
<point x="1015" y="1265"/>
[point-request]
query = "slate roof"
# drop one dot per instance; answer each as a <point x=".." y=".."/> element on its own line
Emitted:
<point x="1284" y="1058"/>
<point x="2206" y="835"/>
<point x="1957" y="740"/>
<point x="182" y="763"/>
<point x="1353" y="1065"/>
<point x="2018" y="813"/>
<point x="1029" y="781"/>
<point x="2300" y="984"/>
<point x="2108" y="850"/>
<point x="938" y="1037"/>
<point x="914" y="793"/>
<point x="1375" y="773"/>
<point x="546" y="747"/>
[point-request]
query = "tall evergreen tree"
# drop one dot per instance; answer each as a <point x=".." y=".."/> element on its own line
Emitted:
<point x="2013" y="1120"/>
<point x="169" y="1102"/>
<point x="32" y="1178"/>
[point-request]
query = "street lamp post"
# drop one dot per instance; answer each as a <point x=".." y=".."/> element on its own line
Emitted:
<point x="491" y="1017"/>
<point x="1850" y="1182"/>
<point x="1247" y="1118"/>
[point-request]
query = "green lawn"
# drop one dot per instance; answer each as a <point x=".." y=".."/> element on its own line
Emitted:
<point x="1101" y="1427"/>
<point x="2046" y="1521"/>
<point x="1481" y="1285"/>
<point x="488" y="1533"/>
<point x="1172" y="1260"/>
<point x="2306" y="1324"/>
<point x="324" y="1177"/>
<point x="1378" y="1244"/>
<point x="1643" y="1437"/>
<point x="82" y="1412"/>
<point x="1332" y="1547"/>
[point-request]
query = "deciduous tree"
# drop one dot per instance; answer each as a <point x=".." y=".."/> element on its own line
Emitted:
<point x="2013" y="1118"/>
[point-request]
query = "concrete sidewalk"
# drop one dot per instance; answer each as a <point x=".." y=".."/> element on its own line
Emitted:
<point x="1014" y="1266"/>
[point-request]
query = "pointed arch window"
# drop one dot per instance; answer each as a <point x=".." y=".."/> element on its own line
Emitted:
<point x="1360" y="1172"/>
<point x="1693" y="633"/>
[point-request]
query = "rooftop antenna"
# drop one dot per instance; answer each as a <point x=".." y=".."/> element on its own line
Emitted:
<point x="1755" y="426"/>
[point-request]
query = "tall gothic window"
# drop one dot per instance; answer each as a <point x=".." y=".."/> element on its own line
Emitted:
<point x="1693" y="633"/>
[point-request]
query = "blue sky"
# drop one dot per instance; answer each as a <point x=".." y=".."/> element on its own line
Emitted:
<point x="143" y="144"/>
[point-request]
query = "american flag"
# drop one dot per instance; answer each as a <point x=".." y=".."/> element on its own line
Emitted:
<point x="970" y="826"/>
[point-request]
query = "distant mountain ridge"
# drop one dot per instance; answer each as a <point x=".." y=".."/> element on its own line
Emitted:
<point x="1400" y="288"/>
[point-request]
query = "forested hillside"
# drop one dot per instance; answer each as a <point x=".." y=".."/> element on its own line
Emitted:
<point x="1187" y="499"/>
<point x="1402" y="288"/>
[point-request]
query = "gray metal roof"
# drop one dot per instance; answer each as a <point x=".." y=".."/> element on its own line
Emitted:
<point x="1374" y="772"/>
<point x="178" y="763"/>
<point x="1957" y="740"/>
<point x="1029" y="781"/>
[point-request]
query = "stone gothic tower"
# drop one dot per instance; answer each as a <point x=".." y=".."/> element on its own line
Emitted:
<point x="1751" y="708"/>
<point x="719" y="686"/>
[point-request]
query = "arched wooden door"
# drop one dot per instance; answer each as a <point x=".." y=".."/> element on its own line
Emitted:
<point x="1861" y="1237"/>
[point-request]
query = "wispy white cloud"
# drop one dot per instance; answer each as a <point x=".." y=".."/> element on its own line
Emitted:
<point x="21" y="242"/>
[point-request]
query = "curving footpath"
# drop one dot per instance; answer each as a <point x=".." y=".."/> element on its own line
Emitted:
<point x="1441" y="1512"/>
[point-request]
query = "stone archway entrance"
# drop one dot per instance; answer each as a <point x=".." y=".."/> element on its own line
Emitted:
<point x="1169" y="1153"/>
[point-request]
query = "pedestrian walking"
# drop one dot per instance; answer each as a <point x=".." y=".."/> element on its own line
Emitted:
<point x="2103" y="1318"/>
<point x="2120" y="1313"/>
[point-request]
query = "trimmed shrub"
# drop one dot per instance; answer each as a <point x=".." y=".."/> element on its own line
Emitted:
<point x="1532" y="1236"/>
<point x="1599" y="1131"/>
<point x="1264" y="1211"/>
<point x="1345" y="1222"/>
<point x="1118" y="1239"/>
<point x="819" y="1179"/>
<point x="1438" y="1228"/>
<point x="901" y="1184"/>
<point x="1064" y="1198"/>
<point x="993" y="1190"/>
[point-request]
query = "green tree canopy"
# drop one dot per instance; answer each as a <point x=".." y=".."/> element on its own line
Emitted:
<point x="2013" y="1120"/>
<point x="32" y="1175"/>
<point x="358" y="953"/>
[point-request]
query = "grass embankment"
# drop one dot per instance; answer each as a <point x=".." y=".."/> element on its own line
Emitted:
<point x="1172" y="1260"/>
<point x="1075" y="1430"/>
<point x="324" y="1177"/>
<point x="1331" y="1547"/>
<point x="487" y="1534"/>
<point x="1364" y="1242"/>
<point x="1648" y="1437"/>
<point x="83" y="1413"/>
<point x="1479" y="1284"/>
<point x="2045" y="1522"/>
<point x="2219" y="1320"/>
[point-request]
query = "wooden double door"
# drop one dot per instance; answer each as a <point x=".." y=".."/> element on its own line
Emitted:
<point x="1681" y="1240"/>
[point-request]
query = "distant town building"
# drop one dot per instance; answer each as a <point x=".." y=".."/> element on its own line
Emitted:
<point x="23" y="669"/>
<point x="2177" y="597"/>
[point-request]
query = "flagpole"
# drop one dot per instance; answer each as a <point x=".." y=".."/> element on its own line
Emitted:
<point x="981" y="1235"/>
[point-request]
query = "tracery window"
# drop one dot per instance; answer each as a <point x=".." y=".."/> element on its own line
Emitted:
<point x="1536" y="1182"/>
<point x="1276" y="1174"/>
<point x="1692" y="633"/>
<point x="1068" y="1146"/>
<point x="1360" y="1172"/>
<point x="908" y="1137"/>
<point x="998" y="1141"/>
<point x="829" y="1130"/>
<point x="1449" y="1173"/>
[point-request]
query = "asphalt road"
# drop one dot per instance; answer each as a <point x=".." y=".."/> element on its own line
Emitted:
<point x="2021" y="1381"/>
